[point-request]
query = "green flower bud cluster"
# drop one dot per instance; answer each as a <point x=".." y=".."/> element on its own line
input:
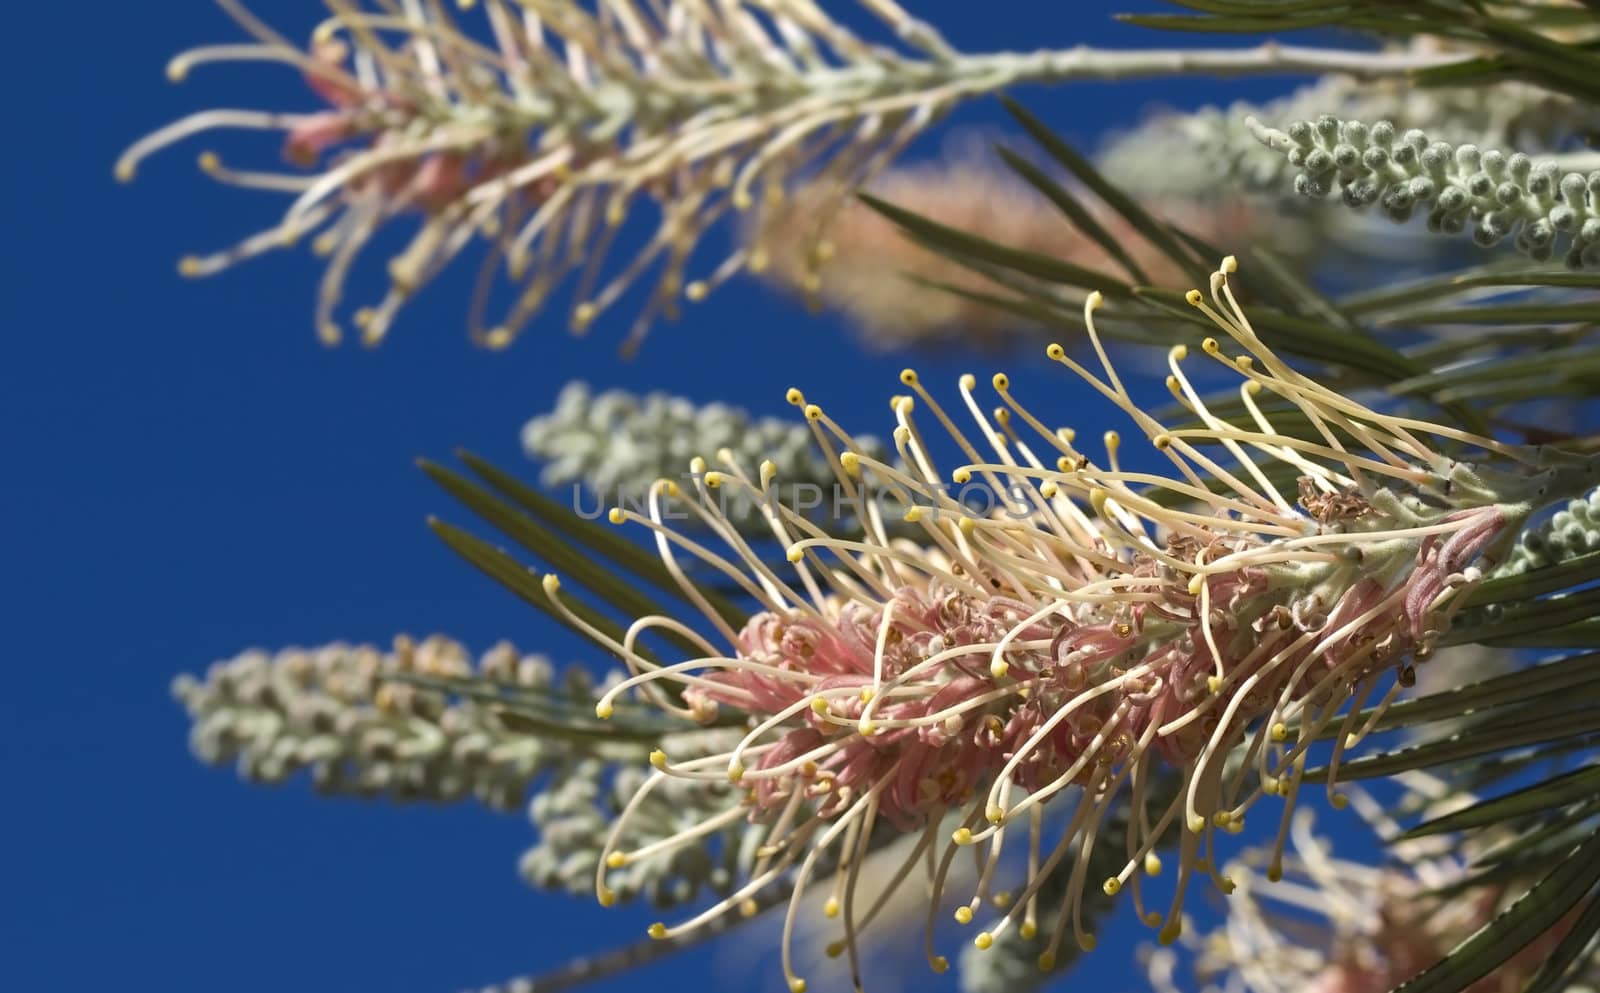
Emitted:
<point x="616" y="444"/>
<point x="1572" y="531"/>
<point x="341" y="713"/>
<point x="1502" y="196"/>
<point x="1214" y="145"/>
<point x="574" y="813"/>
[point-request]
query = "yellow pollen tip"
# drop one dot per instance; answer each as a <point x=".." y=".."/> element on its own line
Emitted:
<point x="1152" y="864"/>
<point x="658" y="758"/>
<point x="1055" y="352"/>
<point x="819" y="705"/>
<point x="1339" y="801"/>
<point x="797" y="985"/>
<point x="831" y="908"/>
<point x="1214" y="684"/>
<point x="961" y="836"/>
<point x="1087" y="942"/>
<point x="867" y="693"/>
<point x="714" y="479"/>
<point x="1047" y="961"/>
<point x="912" y="515"/>
<point x="1162" y="442"/>
<point x="551" y="583"/>
<point x="1152" y="919"/>
<point x="850" y="462"/>
<point x="1094" y="300"/>
<point x="1001" y="900"/>
<point x="1229" y="265"/>
<point x="962" y="476"/>
<point x="1211" y="346"/>
<point x="1280" y="732"/>
<point x="696" y="290"/>
<point x="209" y="162"/>
<point x="1222" y="818"/>
<point x="1195" y="582"/>
<point x="835" y="949"/>
<point x="602" y="710"/>
<point x="1112" y="886"/>
<point x="1178" y="353"/>
<point x="813" y="412"/>
<point x="742" y="200"/>
<point x="908" y="377"/>
<point x="795" y="553"/>
<point x="1274" y="873"/>
<point x="583" y="315"/>
<point x="616" y="516"/>
<point x="967" y="381"/>
<point x="995" y="814"/>
<point x="1028" y="930"/>
<point x="1228" y="886"/>
<point x="1170" y="933"/>
<point x="795" y="397"/>
<point x="1048" y="489"/>
<point x="1196" y="824"/>
<point x="748" y="909"/>
<point x="177" y="71"/>
<point x="998" y="668"/>
<point x="1097" y="500"/>
<point x="616" y="860"/>
<point x="606" y="895"/>
<point x="1001" y="381"/>
<point x="124" y="172"/>
<point x="189" y="266"/>
<point x="939" y="964"/>
<point x="963" y="915"/>
<point x="1195" y="298"/>
<point x="867" y="728"/>
<point x="657" y="930"/>
<point x="984" y="941"/>
<point x="735" y="772"/>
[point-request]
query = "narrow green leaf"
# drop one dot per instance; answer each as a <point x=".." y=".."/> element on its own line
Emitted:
<point x="947" y="240"/>
<point x="1459" y="747"/>
<point x="1557" y="970"/>
<point x="1523" y="618"/>
<point x="1075" y="163"/>
<point x="1545" y="903"/>
<point x="548" y="545"/>
<point x="1075" y="211"/>
<point x="526" y="583"/>
<point x="1559" y="576"/>
<point x="1551" y="794"/>
<point x="1561" y="676"/>
<point x="635" y="562"/>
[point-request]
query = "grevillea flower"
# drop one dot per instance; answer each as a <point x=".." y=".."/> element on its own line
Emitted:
<point x="1068" y="651"/>
<point x="854" y="260"/>
<point x="537" y="127"/>
<point x="537" y="130"/>
<point x="1310" y="922"/>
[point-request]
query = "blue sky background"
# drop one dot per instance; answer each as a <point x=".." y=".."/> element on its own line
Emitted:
<point x="188" y="474"/>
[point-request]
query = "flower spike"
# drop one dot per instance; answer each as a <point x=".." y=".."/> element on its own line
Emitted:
<point x="1070" y="648"/>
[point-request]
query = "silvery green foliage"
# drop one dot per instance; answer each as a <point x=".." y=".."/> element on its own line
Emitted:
<point x="1213" y="146"/>
<point x="616" y="444"/>
<point x="574" y="813"/>
<point x="1572" y="531"/>
<point x="337" y="713"/>
<point x="1500" y="195"/>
